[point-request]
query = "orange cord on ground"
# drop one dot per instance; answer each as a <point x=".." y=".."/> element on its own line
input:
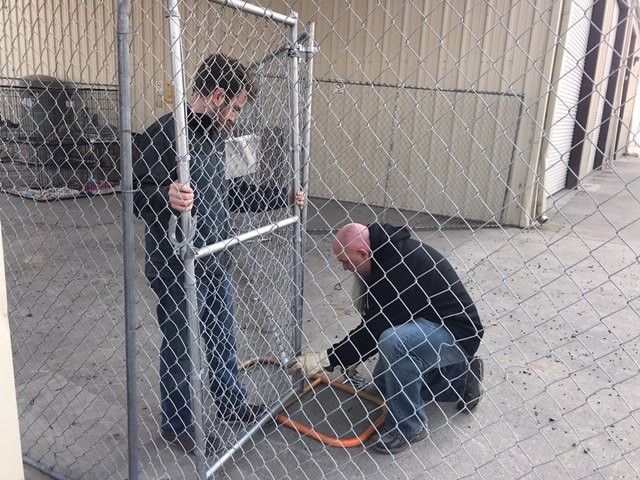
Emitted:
<point x="308" y="430"/>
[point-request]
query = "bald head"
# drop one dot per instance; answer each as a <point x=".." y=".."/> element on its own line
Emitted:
<point x="352" y="246"/>
<point x="353" y="235"/>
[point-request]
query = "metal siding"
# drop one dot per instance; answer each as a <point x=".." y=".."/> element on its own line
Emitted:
<point x="63" y="14"/>
<point x="473" y="57"/>
<point x="482" y="197"/>
<point x="564" y="114"/>
<point x="72" y="41"/>
<point x="490" y="45"/>
<point x="17" y="32"/>
<point x="493" y="40"/>
<point x="391" y="69"/>
<point x="105" y="56"/>
<point x="418" y="43"/>
<point x="7" y="45"/>
<point x="526" y="68"/>
<point x="436" y="150"/>
<point x="58" y="44"/>
<point x="349" y="154"/>
<point x="427" y="62"/>
<point x="151" y="62"/>
<point x="448" y="45"/>
<point x="89" y="47"/>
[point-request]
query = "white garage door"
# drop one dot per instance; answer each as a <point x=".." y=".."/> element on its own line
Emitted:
<point x="564" y="115"/>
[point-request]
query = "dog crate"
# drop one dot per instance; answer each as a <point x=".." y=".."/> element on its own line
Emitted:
<point x="57" y="134"/>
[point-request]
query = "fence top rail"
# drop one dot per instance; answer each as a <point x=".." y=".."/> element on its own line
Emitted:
<point x="416" y="87"/>
<point x="246" y="7"/>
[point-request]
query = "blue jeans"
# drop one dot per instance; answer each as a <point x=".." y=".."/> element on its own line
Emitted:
<point x="215" y="307"/>
<point x="419" y="362"/>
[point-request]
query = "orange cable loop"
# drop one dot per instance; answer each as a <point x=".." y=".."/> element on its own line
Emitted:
<point x="311" y="385"/>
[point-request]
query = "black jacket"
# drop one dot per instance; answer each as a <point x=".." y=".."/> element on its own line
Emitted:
<point x="155" y="169"/>
<point x="408" y="280"/>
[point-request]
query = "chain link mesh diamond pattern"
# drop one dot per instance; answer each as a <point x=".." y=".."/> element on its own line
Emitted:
<point x="503" y="134"/>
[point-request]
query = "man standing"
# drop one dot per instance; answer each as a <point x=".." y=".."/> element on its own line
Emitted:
<point x="418" y="317"/>
<point x="222" y="87"/>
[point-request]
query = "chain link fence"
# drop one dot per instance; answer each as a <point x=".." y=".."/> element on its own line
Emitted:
<point x="394" y="173"/>
<point x="503" y="135"/>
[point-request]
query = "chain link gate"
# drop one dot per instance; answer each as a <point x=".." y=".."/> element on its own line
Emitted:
<point x="447" y="117"/>
<point x="265" y="148"/>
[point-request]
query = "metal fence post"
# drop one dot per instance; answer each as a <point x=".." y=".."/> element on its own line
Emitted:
<point x="124" y="79"/>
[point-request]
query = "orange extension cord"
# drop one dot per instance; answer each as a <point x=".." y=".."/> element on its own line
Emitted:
<point x="308" y="430"/>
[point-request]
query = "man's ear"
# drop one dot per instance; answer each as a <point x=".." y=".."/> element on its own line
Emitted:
<point x="218" y="96"/>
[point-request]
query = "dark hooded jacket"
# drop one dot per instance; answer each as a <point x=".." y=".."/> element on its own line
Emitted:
<point x="408" y="280"/>
<point x="155" y="169"/>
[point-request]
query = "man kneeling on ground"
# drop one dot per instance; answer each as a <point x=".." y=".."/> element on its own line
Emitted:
<point x="418" y="317"/>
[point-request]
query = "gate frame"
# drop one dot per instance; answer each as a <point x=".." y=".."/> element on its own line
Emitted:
<point x="299" y="146"/>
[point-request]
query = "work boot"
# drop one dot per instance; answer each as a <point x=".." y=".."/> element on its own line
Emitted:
<point x="187" y="443"/>
<point x="473" y="389"/>
<point x="247" y="413"/>
<point x="394" y="441"/>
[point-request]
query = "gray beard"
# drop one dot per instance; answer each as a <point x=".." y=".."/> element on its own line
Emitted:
<point x="225" y="131"/>
<point x="359" y="294"/>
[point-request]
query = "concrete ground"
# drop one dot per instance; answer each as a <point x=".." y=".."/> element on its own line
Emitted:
<point x="560" y="303"/>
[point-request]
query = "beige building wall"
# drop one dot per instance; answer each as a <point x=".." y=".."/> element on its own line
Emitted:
<point x="502" y="46"/>
<point x="10" y="449"/>
<point x="67" y="39"/>
<point x="454" y="45"/>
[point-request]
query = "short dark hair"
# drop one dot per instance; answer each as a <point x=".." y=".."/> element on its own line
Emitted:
<point x="220" y="71"/>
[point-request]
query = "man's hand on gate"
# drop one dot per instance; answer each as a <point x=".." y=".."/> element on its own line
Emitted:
<point x="298" y="198"/>
<point x="308" y="364"/>
<point x="180" y="197"/>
